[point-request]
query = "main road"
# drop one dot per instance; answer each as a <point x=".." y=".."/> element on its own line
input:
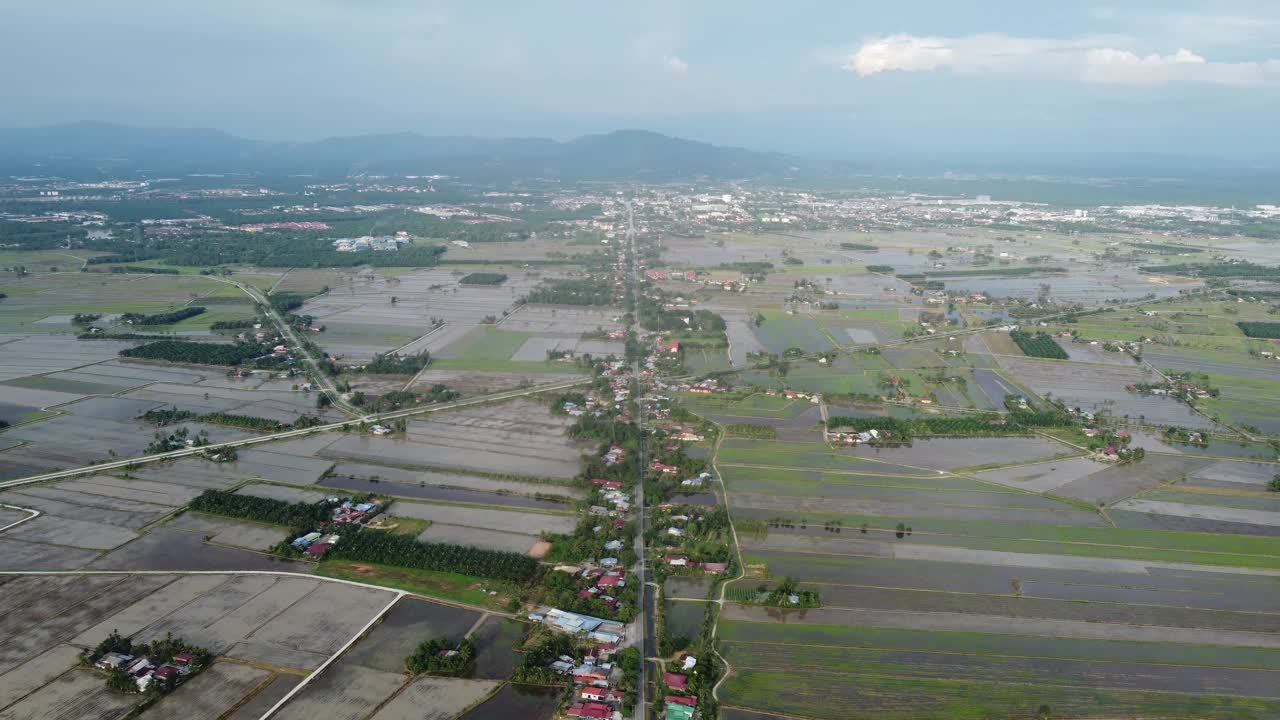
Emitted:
<point x="646" y="602"/>
<point x="287" y="332"/>
<point x="287" y="434"/>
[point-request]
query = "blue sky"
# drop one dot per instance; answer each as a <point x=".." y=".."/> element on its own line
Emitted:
<point x="840" y="78"/>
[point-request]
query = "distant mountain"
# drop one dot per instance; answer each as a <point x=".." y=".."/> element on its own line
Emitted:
<point x="97" y="149"/>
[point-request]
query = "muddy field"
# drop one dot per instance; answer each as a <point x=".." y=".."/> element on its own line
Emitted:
<point x="1100" y="387"/>
<point x="515" y="438"/>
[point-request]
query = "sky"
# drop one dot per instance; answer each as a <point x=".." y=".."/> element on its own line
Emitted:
<point x="842" y="78"/>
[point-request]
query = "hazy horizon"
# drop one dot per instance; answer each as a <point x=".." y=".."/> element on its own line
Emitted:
<point x="1193" y="79"/>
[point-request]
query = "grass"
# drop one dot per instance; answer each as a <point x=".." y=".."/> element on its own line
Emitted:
<point x="1252" y="551"/>
<point x="781" y="331"/>
<point x="999" y="645"/>
<point x="479" y="364"/>
<point x="859" y="696"/>
<point x="487" y="343"/>
<point x="459" y="588"/>
<point x="407" y="525"/>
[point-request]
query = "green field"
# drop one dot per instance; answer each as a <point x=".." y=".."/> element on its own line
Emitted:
<point x="970" y="643"/>
<point x="892" y="697"/>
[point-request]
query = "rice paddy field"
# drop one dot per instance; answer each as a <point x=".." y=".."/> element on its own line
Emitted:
<point x="267" y="633"/>
<point x="1048" y="581"/>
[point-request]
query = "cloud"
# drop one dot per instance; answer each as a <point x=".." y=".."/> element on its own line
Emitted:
<point x="675" y="64"/>
<point x="1111" y="66"/>
<point x="1092" y="59"/>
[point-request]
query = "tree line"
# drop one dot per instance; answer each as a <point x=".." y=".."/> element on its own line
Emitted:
<point x="164" y="318"/>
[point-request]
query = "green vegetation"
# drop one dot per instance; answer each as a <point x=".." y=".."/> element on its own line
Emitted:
<point x="430" y="583"/>
<point x="394" y="364"/>
<point x="1267" y="330"/>
<point x="1218" y="270"/>
<point x="234" y="324"/>
<point x="386" y="548"/>
<point x="199" y="353"/>
<point x="1039" y="345"/>
<point x="164" y="318"/>
<point x="439" y="657"/>
<point x="856" y="246"/>
<point x="483" y="278"/>
<point x="265" y="510"/>
<point x="884" y="269"/>
<point x="591" y="291"/>
<point x="165" y="416"/>
<point x="751" y="430"/>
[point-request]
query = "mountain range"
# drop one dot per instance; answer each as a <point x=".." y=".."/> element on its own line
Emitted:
<point x="98" y="149"/>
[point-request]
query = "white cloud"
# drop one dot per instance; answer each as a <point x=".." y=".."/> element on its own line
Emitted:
<point x="1094" y="59"/>
<point x="675" y="64"/>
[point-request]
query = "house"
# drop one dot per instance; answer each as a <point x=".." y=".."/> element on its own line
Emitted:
<point x="675" y="681"/>
<point x="677" y="711"/>
<point x="675" y="532"/>
<point x="613" y="545"/>
<point x="604" y="695"/>
<point x="663" y="468"/>
<point x="588" y="674"/>
<point x="112" y="660"/>
<point x="589" y="710"/>
<point x="380" y="430"/>
<point x="688" y="662"/>
<point x="676" y="560"/>
<point x="681" y="700"/>
<point x="715" y="568"/>
<point x="611" y="581"/>
<point x="167" y="673"/>
<point x="182" y="659"/>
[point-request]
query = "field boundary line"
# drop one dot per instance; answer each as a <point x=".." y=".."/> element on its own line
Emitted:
<point x="34" y="514"/>
<point x="399" y="595"/>
<point x="287" y="434"/>
<point x="1006" y="655"/>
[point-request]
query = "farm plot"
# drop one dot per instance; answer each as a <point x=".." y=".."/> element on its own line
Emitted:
<point x="1100" y="387"/>
<point x="953" y="453"/>
<point x="806" y="456"/>
<point x="1206" y="516"/>
<point x="1234" y="474"/>
<point x="222" y="531"/>
<point x="911" y="674"/>
<point x="170" y="548"/>
<point x="517" y="701"/>
<point x="398" y="481"/>
<point x="344" y="691"/>
<point x="80" y="693"/>
<point x="496" y="640"/>
<point x="25" y="355"/>
<point x="485" y="527"/>
<point x="514" y="438"/>
<point x="408" y="623"/>
<point x="435" y="698"/>
<point x="442" y="494"/>
<point x="96" y="500"/>
<point x="212" y="693"/>
<point x="1112" y="484"/>
<point x="484" y="382"/>
<point x="780" y="332"/>
<point x="253" y="463"/>
<point x="75" y="440"/>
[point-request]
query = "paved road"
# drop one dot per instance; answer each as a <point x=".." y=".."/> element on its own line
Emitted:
<point x="646" y="606"/>
<point x="380" y="417"/>
<point x="286" y="331"/>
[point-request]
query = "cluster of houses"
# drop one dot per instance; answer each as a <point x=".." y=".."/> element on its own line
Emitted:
<point x="849" y="437"/>
<point x="317" y="543"/>
<point x="601" y="582"/>
<point x="680" y="705"/>
<point x="144" y="672"/>
<point x="368" y="243"/>
<point x="614" y="455"/>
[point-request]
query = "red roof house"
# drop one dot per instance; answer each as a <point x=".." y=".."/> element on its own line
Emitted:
<point x="675" y="681"/>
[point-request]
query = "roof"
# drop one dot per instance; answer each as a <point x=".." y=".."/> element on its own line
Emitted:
<point x="675" y="680"/>
<point x="681" y="700"/>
